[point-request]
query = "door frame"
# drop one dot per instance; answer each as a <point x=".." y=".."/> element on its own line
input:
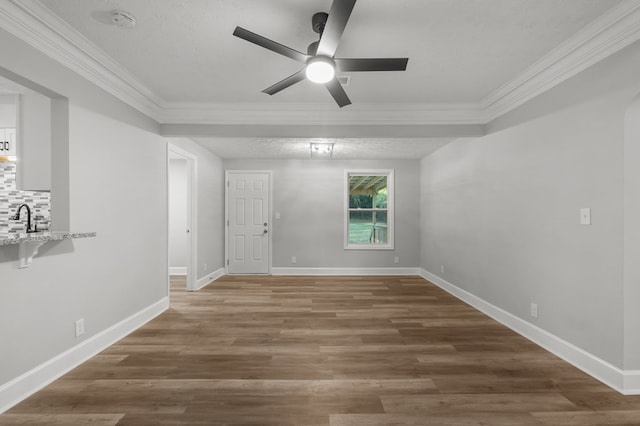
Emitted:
<point x="228" y="172"/>
<point x="192" y="208"/>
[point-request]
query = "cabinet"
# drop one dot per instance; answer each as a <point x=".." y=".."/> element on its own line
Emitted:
<point x="8" y="142"/>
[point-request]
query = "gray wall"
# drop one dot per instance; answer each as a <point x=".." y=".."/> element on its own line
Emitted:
<point x="117" y="187"/>
<point x="500" y="212"/>
<point x="309" y="195"/>
<point x="103" y="279"/>
<point x="210" y="214"/>
<point x="178" y="213"/>
<point x="631" y="290"/>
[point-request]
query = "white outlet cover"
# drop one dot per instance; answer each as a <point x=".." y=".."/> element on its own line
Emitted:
<point x="585" y="216"/>
<point x="79" y="327"/>
<point x="534" y="310"/>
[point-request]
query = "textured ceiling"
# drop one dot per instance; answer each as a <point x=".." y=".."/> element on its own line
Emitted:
<point x="461" y="52"/>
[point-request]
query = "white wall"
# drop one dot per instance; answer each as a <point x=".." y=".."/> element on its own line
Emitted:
<point x="178" y="213"/>
<point x="309" y="195"/>
<point x="501" y="212"/>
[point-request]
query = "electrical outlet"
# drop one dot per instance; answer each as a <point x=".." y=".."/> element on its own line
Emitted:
<point x="534" y="310"/>
<point x="396" y="259"/>
<point x="442" y="269"/>
<point x="205" y="266"/>
<point x="80" y="327"/>
<point x="293" y="259"/>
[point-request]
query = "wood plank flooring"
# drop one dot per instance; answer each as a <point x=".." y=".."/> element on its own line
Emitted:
<point x="339" y="351"/>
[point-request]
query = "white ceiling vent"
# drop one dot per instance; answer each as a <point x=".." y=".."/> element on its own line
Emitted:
<point x="123" y="19"/>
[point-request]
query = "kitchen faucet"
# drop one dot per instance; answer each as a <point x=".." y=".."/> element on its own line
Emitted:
<point x="17" y="217"/>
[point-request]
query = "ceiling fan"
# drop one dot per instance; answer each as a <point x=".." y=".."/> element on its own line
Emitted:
<point x="320" y="63"/>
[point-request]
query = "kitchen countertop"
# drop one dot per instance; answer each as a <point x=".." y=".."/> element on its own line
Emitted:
<point x="22" y="237"/>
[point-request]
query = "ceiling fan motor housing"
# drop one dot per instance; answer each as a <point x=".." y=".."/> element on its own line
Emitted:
<point x="320" y="65"/>
<point x="318" y="21"/>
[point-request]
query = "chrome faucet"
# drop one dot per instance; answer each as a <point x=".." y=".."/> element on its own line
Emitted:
<point x="17" y="217"/>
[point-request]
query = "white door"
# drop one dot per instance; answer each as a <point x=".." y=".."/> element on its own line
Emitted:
<point x="248" y="222"/>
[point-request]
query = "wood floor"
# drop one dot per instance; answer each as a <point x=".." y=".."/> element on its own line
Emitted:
<point x="324" y="351"/>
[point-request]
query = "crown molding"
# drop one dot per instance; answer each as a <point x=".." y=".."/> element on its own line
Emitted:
<point x="35" y="24"/>
<point x="315" y="114"/>
<point x="611" y="32"/>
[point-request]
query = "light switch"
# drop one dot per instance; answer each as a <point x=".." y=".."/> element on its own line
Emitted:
<point x="585" y="216"/>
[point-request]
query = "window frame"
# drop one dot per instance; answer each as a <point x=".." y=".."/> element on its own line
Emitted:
<point x="389" y="174"/>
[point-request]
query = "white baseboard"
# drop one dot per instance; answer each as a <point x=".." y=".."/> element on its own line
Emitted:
<point x="631" y="382"/>
<point x="32" y="381"/>
<point x="345" y="271"/>
<point x="204" y="281"/>
<point x="177" y="270"/>
<point x="625" y="382"/>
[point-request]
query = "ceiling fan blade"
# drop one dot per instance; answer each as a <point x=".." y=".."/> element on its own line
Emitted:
<point x="372" y="64"/>
<point x="337" y="20"/>
<point x="338" y="93"/>
<point x="283" y="84"/>
<point x="270" y="44"/>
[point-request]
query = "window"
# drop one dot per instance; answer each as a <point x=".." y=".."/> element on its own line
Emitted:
<point x="368" y="220"/>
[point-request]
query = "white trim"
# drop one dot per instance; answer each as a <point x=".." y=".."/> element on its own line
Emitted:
<point x="177" y="270"/>
<point x="30" y="21"/>
<point x="611" y="32"/>
<point x="205" y="281"/>
<point x="35" y="24"/>
<point x="389" y="173"/>
<point x="322" y="114"/>
<point x="631" y="382"/>
<point x="625" y="382"/>
<point x="345" y="271"/>
<point x="18" y="389"/>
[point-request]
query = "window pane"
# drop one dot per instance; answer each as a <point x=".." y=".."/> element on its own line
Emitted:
<point x="367" y="227"/>
<point x="366" y="192"/>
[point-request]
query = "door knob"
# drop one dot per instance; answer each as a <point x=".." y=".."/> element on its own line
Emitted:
<point x="265" y="224"/>
<point x="265" y="231"/>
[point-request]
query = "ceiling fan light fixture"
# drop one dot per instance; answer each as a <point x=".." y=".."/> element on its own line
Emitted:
<point x="320" y="69"/>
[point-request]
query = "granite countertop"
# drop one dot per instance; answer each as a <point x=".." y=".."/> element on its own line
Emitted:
<point x="20" y="238"/>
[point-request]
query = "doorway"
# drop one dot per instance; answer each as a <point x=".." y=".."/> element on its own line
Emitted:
<point x="248" y="233"/>
<point x="182" y="222"/>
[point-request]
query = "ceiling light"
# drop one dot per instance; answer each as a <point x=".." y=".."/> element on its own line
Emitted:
<point x="321" y="149"/>
<point x="320" y="69"/>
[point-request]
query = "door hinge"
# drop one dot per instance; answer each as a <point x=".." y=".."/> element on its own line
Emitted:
<point x="227" y="222"/>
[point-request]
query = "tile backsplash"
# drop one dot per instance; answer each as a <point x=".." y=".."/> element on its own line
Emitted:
<point x="11" y="199"/>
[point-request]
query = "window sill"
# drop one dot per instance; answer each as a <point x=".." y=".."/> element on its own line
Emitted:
<point x="369" y="247"/>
